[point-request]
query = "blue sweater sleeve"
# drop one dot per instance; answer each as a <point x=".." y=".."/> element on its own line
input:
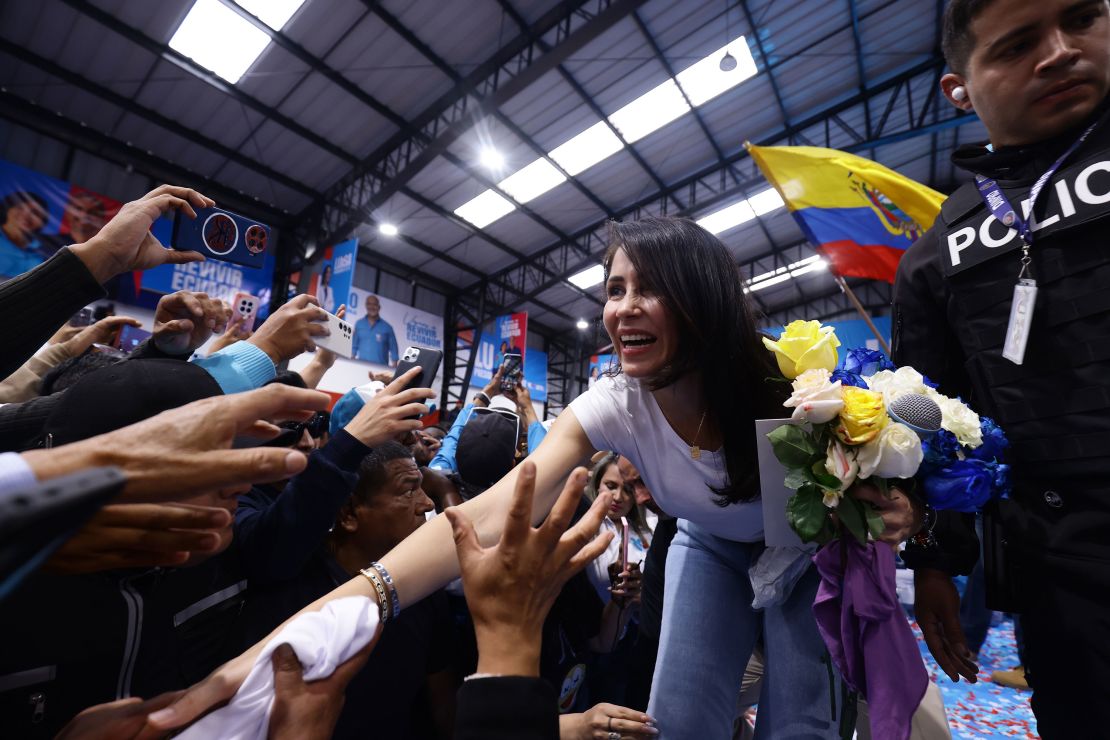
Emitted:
<point x="536" y="433"/>
<point x="238" y="368"/>
<point x="276" y="537"/>
<point x="445" y="458"/>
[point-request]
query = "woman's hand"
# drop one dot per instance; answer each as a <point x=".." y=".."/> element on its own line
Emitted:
<point x="627" y="585"/>
<point x="902" y="516"/>
<point x="597" y="722"/>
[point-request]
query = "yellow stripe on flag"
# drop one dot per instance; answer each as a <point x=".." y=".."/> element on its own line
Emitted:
<point x="815" y="177"/>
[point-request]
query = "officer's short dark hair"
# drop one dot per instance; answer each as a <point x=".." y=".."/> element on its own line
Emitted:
<point x="957" y="41"/>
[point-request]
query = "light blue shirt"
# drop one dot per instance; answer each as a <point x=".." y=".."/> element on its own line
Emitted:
<point x="14" y="261"/>
<point x="239" y="368"/>
<point x="375" y="343"/>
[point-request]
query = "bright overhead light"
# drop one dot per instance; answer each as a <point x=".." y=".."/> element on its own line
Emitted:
<point x="484" y="209"/>
<point x="588" y="278"/>
<point x="582" y="325"/>
<point x="274" y="13"/>
<point x="650" y="112"/>
<point x="217" y="38"/>
<point x="491" y="159"/>
<point x="388" y="229"/>
<point x="532" y="181"/>
<point x="736" y="214"/>
<point x="587" y="148"/>
<point x="705" y="79"/>
<point x="754" y="286"/>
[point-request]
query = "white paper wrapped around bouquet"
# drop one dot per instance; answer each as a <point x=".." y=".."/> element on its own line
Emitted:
<point x="777" y="531"/>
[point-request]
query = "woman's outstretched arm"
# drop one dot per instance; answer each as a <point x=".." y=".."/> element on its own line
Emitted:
<point x="425" y="562"/>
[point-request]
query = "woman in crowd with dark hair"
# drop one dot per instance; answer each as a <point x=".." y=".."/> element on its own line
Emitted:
<point x="693" y="376"/>
<point x="606" y="476"/>
<point x="22" y="217"/>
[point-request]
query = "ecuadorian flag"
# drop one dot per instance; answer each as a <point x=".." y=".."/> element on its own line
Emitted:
<point x="860" y="215"/>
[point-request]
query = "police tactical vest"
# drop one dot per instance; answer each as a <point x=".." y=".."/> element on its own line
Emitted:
<point x="1055" y="408"/>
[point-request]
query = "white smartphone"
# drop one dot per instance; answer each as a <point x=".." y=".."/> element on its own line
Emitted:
<point x="341" y="339"/>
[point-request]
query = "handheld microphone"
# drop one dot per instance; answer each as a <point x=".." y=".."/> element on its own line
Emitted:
<point x="920" y="413"/>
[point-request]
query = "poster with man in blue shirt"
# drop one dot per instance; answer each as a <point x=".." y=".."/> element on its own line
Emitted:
<point x="374" y="340"/>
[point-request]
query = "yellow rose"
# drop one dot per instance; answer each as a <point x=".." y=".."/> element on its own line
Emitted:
<point x="804" y="345"/>
<point x="863" y="416"/>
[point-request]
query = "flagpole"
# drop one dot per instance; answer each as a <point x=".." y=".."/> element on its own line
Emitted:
<point x="863" y="312"/>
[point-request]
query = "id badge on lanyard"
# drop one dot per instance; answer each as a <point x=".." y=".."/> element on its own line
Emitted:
<point x="1025" y="291"/>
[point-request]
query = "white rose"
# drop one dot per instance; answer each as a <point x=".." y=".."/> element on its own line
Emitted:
<point x="831" y="499"/>
<point x="815" y="399"/>
<point x="894" y="384"/>
<point x="841" y="462"/>
<point x="957" y="418"/>
<point x="895" y="453"/>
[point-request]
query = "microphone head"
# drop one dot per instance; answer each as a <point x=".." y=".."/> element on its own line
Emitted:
<point x="920" y="413"/>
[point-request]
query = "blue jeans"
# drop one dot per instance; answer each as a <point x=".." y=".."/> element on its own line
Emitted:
<point x="709" y="630"/>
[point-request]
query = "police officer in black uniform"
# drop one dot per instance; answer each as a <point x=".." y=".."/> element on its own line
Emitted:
<point x="1037" y="72"/>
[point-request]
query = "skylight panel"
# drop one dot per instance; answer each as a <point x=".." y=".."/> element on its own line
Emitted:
<point x="588" y="278"/>
<point x="587" y="148"/>
<point x="484" y="209"/>
<point x="765" y="202"/>
<point x="274" y="13"/>
<point x="532" y="181"/>
<point x="217" y="38"/>
<point x="650" y="112"/>
<point x="705" y="79"/>
<point x="727" y="218"/>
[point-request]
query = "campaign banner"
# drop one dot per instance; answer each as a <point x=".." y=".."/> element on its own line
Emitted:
<point x="509" y="334"/>
<point x="218" y="279"/>
<point x="599" y="365"/>
<point x="331" y="283"/>
<point x="39" y="215"/>
<point x="535" y="374"/>
<point x="383" y="328"/>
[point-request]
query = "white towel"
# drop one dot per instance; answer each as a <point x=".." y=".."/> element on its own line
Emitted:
<point x="322" y="640"/>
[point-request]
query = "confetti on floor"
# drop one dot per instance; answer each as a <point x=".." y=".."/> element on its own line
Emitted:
<point x="985" y="709"/>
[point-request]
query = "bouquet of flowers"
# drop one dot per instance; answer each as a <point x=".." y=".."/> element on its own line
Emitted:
<point x="874" y="423"/>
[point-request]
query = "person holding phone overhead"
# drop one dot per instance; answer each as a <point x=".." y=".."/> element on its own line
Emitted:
<point x="693" y="377"/>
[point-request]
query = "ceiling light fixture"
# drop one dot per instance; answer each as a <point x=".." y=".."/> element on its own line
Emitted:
<point x="388" y="229"/>
<point x="491" y="159"/>
<point x="582" y="325"/>
<point x="217" y="38"/>
<point x="728" y="62"/>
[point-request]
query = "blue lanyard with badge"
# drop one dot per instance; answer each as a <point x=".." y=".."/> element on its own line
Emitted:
<point x="1025" y="291"/>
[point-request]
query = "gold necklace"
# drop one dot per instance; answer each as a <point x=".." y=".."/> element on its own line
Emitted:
<point x="695" y="451"/>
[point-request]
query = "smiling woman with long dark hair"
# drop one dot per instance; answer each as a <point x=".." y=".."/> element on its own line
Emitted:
<point x="692" y="378"/>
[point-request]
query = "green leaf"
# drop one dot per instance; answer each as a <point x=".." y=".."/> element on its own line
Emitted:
<point x="874" y="521"/>
<point x="850" y="513"/>
<point x="796" y="478"/>
<point x="792" y="445"/>
<point x="805" y="512"/>
<point x="822" y="477"/>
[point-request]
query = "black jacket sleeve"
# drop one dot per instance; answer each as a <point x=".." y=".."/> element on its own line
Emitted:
<point x="507" y="708"/>
<point x="922" y="337"/>
<point x="39" y="301"/>
<point x="277" y="538"/>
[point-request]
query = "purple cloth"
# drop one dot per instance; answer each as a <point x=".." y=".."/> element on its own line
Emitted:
<point x="867" y="635"/>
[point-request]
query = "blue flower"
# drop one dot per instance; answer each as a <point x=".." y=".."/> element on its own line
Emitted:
<point x="925" y="379"/>
<point x="846" y="378"/>
<point x="994" y="441"/>
<point x="939" y="450"/>
<point x="863" y="361"/>
<point x="964" y="485"/>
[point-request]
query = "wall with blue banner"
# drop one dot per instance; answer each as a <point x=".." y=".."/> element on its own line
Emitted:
<point x="332" y="282"/>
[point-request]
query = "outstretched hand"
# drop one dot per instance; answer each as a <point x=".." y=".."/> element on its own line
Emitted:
<point x="937" y="608"/>
<point x="511" y="586"/>
<point x="185" y="320"/>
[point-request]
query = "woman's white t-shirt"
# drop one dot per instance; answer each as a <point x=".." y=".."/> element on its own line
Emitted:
<point x="618" y="414"/>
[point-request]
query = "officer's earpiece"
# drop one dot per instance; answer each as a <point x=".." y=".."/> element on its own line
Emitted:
<point x="959" y="93"/>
